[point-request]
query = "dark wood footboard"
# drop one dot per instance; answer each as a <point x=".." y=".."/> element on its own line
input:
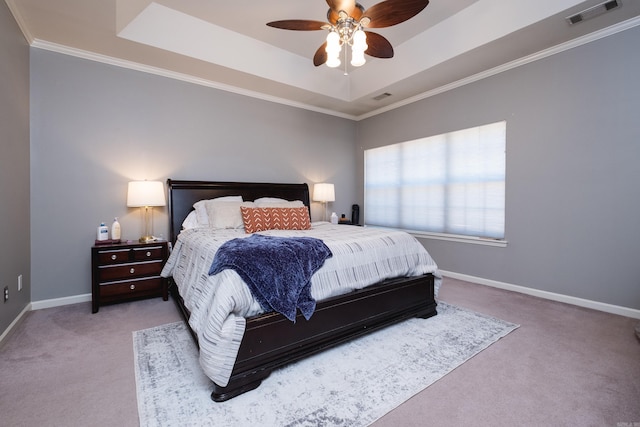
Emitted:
<point x="271" y="340"/>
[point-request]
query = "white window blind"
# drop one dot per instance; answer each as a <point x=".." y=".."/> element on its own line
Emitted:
<point x="452" y="183"/>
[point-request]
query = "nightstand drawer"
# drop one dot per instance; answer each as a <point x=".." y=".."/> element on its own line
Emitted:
<point x="116" y="256"/>
<point x="131" y="287"/>
<point x="148" y="254"/>
<point x="124" y="271"/>
<point x="119" y="256"/>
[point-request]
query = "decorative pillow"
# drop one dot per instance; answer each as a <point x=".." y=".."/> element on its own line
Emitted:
<point x="289" y="218"/>
<point x="226" y="214"/>
<point x="260" y="219"/>
<point x="201" y="210"/>
<point x="255" y="219"/>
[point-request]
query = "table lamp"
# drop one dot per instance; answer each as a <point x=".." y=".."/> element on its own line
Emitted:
<point x="324" y="192"/>
<point x="146" y="195"/>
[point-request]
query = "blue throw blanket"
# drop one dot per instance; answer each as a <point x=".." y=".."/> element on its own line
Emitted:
<point x="277" y="270"/>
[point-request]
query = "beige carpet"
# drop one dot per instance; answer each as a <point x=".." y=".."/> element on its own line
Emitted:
<point x="564" y="366"/>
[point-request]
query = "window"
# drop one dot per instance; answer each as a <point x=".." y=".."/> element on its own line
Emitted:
<point x="452" y="183"/>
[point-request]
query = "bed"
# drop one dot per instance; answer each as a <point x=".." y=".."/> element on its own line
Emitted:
<point x="264" y="341"/>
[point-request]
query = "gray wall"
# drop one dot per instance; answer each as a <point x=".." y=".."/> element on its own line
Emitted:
<point x="95" y="127"/>
<point x="572" y="152"/>
<point x="14" y="167"/>
<point x="573" y="174"/>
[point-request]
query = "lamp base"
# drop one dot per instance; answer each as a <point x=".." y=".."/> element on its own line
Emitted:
<point x="147" y="239"/>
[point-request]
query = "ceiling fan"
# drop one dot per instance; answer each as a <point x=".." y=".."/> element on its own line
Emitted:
<point x="347" y="20"/>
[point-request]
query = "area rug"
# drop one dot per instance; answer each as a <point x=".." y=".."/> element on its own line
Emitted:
<point x="350" y="385"/>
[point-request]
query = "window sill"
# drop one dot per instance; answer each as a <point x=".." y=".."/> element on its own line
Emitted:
<point x="487" y="241"/>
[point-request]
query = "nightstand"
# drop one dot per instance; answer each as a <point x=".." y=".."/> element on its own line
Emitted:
<point x="126" y="271"/>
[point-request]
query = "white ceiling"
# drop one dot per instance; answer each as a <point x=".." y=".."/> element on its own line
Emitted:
<point x="226" y="44"/>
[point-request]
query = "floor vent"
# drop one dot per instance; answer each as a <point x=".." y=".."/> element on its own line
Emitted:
<point x="594" y="11"/>
<point x="382" y="96"/>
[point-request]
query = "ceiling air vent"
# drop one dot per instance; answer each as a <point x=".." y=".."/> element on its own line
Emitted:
<point x="594" y="11"/>
<point x="382" y="96"/>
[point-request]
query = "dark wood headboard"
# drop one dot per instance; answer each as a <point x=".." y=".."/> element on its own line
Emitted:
<point x="183" y="194"/>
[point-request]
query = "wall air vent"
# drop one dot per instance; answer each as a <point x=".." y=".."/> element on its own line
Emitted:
<point x="382" y="96"/>
<point x="594" y="11"/>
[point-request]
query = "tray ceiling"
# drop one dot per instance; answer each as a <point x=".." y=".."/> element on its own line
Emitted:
<point x="227" y="44"/>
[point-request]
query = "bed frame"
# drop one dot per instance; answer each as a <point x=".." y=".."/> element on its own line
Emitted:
<point x="270" y="339"/>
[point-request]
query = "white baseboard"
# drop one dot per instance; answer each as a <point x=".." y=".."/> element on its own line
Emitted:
<point x="595" y="305"/>
<point x="13" y="324"/>
<point x="39" y="305"/>
<point x="57" y="302"/>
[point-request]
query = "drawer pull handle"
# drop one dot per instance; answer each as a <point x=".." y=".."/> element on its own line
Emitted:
<point x="133" y="270"/>
<point x="113" y="257"/>
<point x="132" y="287"/>
<point x="148" y="253"/>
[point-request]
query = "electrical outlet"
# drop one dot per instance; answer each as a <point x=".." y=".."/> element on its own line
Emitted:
<point x="19" y="282"/>
<point x="6" y="293"/>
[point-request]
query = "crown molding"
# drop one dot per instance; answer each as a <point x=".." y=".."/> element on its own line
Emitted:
<point x="91" y="56"/>
<point x="596" y="35"/>
<point x="136" y="66"/>
<point x="19" y="20"/>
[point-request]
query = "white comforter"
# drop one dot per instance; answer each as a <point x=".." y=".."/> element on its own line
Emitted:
<point x="219" y="304"/>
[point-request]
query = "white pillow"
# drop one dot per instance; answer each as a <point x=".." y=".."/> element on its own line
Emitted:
<point x="191" y="221"/>
<point x="268" y="200"/>
<point x="272" y="202"/>
<point x="226" y="214"/>
<point x="201" y="210"/>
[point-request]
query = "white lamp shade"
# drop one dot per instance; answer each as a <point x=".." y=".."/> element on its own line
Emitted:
<point x="333" y="43"/>
<point x="145" y="193"/>
<point x="360" y="41"/>
<point x="324" y="192"/>
<point x="357" y="58"/>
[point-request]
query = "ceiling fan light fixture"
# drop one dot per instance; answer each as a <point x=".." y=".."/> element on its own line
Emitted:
<point x="346" y="20"/>
<point x="357" y="58"/>
<point x="333" y="42"/>
<point x="360" y="40"/>
<point x="333" y="49"/>
<point x="333" y="61"/>
<point x="358" y="48"/>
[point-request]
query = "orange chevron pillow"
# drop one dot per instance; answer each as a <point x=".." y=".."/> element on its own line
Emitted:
<point x="290" y="218"/>
<point x="260" y="219"/>
<point x="255" y="219"/>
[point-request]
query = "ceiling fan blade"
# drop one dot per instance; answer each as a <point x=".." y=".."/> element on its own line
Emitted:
<point x="352" y="9"/>
<point x="392" y="12"/>
<point x="298" y="25"/>
<point x="379" y="47"/>
<point x="321" y="55"/>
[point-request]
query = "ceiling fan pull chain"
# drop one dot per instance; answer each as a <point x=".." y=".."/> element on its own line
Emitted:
<point x="346" y="71"/>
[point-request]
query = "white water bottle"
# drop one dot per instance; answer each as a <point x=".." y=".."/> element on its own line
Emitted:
<point x="103" y="232"/>
<point x="115" y="229"/>
<point x="334" y="218"/>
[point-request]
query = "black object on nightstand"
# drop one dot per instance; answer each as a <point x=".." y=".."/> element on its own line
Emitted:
<point x="126" y="271"/>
